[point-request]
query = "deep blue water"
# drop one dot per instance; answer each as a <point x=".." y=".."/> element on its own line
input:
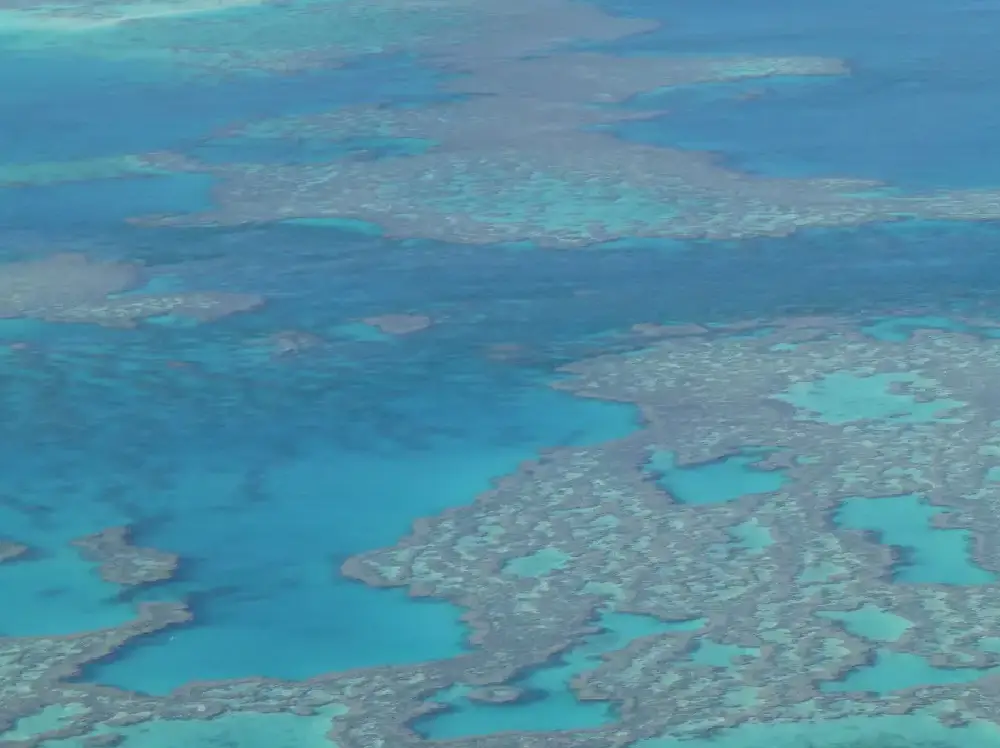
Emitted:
<point x="918" y="110"/>
<point x="113" y="108"/>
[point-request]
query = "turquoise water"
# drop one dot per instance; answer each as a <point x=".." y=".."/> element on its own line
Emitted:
<point x="853" y="396"/>
<point x="726" y="479"/>
<point x="929" y="555"/>
<point x="711" y="653"/>
<point x="248" y="730"/>
<point x="899" y="329"/>
<point x="871" y="623"/>
<point x="549" y="704"/>
<point x="919" y="729"/>
<point x="898" y="671"/>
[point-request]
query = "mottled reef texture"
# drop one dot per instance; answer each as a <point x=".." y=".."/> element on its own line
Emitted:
<point x="635" y="549"/>
<point x="629" y="546"/>
<point x="123" y="563"/>
<point x="523" y="152"/>
<point x="528" y="156"/>
<point x="74" y="288"/>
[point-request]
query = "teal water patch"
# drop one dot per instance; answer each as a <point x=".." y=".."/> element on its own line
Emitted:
<point x="899" y="329"/>
<point x="870" y="622"/>
<point x="711" y="653"/>
<point x="550" y="704"/>
<point x="40" y="588"/>
<point x="541" y="562"/>
<point x="903" y="731"/>
<point x="846" y="396"/>
<point x="243" y="729"/>
<point x="725" y="479"/>
<point x="363" y="333"/>
<point x="899" y="671"/>
<point x="752" y="536"/>
<point x="929" y="555"/>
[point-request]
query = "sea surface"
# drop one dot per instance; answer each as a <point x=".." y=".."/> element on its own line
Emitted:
<point x="264" y="472"/>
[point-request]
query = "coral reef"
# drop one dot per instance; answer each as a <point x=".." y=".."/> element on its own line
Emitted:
<point x="74" y="288"/>
<point x="121" y="562"/>
<point x="399" y="324"/>
<point x="291" y="343"/>
<point x="528" y="156"/>
<point x="9" y="550"/>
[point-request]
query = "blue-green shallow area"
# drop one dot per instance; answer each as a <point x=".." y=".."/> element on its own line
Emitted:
<point x="899" y="329"/>
<point x="920" y="114"/>
<point x="916" y="730"/>
<point x="927" y="555"/>
<point x="549" y="703"/>
<point x="725" y="479"/>
<point x="898" y="671"/>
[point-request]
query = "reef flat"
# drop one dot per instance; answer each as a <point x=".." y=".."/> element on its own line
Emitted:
<point x="527" y="153"/>
<point x="522" y="148"/>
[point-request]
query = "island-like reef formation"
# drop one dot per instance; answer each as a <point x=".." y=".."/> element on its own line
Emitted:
<point x="9" y="550"/>
<point x="123" y="563"/>
<point x="72" y="287"/>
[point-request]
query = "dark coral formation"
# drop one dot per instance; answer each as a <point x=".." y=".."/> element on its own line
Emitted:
<point x="74" y="288"/>
<point x="123" y="563"/>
